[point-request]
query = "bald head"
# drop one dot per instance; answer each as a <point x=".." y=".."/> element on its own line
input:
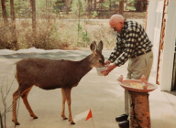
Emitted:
<point x="116" y="21"/>
<point x="116" y="18"/>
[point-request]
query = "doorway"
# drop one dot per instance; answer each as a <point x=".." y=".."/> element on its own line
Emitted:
<point x="174" y="71"/>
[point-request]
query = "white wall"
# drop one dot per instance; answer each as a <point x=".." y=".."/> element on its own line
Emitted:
<point x="169" y="47"/>
<point x="154" y="21"/>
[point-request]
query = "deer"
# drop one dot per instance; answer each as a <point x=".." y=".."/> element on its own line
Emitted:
<point x="52" y="74"/>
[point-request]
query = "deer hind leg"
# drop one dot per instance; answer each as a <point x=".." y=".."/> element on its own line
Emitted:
<point x="25" y="101"/>
<point x="16" y="95"/>
<point x="63" y="105"/>
<point x="68" y="98"/>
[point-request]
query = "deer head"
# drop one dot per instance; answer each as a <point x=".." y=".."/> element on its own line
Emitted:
<point x="96" y="58"/>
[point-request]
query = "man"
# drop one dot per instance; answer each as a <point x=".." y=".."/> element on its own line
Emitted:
<point x="133" y="45"/>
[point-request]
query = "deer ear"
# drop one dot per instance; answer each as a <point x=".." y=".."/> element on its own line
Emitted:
<point x="100" y="46"/>
<point x="93" y="46"/>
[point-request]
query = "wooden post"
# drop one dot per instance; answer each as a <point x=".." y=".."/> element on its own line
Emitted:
<point x="33" y="6"/>
<point x="121" y="7"/>
<point x="140" y="114"/>
<point x="13" y="25"/>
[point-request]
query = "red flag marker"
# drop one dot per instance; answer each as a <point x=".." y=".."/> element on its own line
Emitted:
<point x="89" y="115"/>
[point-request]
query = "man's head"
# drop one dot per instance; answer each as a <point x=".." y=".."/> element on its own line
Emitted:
<point x="117" y="22"/>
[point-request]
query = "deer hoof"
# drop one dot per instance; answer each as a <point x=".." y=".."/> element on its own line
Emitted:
<point x="72" y="123"/>
<point x="35" y="117"/>
<point x="65" y="118"/>
<point x="16" y="122"/>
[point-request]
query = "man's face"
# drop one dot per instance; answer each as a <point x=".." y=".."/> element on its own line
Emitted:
<point x="117" y="26"/>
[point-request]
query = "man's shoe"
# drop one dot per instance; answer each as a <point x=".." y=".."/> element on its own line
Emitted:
<point x="124" y="124"/>
<point x="121" y="118"/>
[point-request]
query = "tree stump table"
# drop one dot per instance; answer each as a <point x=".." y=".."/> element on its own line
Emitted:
<point x="139" y="110"/>
<point x="139" y="101"/>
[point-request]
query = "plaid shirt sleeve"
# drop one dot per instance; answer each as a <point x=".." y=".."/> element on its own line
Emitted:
<point x="127" y="45"/>
<point x="116" y="52"/>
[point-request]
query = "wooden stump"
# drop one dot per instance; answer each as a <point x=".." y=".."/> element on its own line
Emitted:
<point x="140" y="115"/>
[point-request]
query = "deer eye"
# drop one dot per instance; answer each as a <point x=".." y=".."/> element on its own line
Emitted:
<point x="101" y="61"/>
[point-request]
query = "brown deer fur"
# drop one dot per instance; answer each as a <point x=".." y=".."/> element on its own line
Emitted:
<point x="51" y="74"/>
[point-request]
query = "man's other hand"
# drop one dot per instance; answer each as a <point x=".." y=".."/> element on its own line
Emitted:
<point x="107" y="63"/>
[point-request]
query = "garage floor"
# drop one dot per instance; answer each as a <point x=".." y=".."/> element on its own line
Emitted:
<point x="103" y="95"/>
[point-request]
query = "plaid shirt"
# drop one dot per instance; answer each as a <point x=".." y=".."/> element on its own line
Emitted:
<point x="132" y="41"/>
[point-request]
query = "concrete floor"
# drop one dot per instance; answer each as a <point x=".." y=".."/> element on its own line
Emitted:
<point x="102" y="95"/>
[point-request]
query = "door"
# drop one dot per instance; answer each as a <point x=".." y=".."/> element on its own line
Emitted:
<point x="174" y="71"/>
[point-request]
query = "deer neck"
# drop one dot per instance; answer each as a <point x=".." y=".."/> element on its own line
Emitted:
<point x="85" y="65"/>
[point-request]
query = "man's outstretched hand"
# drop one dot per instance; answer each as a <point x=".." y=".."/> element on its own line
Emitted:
<point x="109" y="68"/>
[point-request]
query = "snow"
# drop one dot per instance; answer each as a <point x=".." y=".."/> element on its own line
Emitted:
<point x="30" y="50"/>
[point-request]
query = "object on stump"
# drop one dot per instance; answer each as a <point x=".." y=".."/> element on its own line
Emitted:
<point x="140" y="115"/>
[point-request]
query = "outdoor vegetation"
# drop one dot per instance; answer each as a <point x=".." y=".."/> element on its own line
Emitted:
<point x="64" y="24"/>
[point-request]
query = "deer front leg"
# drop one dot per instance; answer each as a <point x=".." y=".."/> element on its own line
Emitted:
<point x="68" y="98"/>
<point x="63" y="105"/>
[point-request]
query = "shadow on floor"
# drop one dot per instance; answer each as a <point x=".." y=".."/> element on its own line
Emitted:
<point x="171" y="92"/>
